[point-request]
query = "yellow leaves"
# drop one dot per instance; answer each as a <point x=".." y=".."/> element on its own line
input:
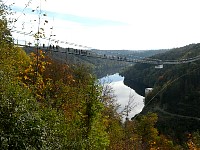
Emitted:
<point x="153" y="145"/>
<point x="48" y="63"/>
<point x="71" y="79"/>
<point x="192" y="143"/>
<point x="27" y="70"/>
<point x="13" y="59"/>
<point x="18" y="78"/>
<point x="39" y="97"/>
<point x="25" y="77"/>
<point x="43" y="67"/>
<point x="38" y="61"/>
<point x="25" y="85"/>
<point x="105" y="121"/>
<point x="31" y="75"/>
<point x="136" y="138"/>
<point x="32" y="54"/>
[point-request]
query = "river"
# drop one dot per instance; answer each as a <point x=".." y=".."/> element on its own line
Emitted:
<point x="123" y="93"/>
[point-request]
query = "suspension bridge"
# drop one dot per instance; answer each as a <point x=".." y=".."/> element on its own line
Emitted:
<point x="88" y="52"/>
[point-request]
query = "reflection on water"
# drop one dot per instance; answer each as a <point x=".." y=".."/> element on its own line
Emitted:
<point x="123" y="92"/>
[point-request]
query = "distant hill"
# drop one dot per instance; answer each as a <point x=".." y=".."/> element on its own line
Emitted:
<point x="135" y="54"/>
<point x="176" y="94"/>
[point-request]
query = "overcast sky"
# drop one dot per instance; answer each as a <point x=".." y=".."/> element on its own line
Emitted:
<point x="115" y="24"/>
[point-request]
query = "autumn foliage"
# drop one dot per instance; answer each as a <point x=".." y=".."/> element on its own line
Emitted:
<point x="49" y="104"/>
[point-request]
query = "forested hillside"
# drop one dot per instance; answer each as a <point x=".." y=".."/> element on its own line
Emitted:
<point x="175" y="95"/>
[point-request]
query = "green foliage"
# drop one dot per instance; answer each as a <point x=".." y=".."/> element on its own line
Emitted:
<point x="44" y="109"/>
<point x="149" y="136"/>
<point x="24" y="124"/>
<point x="145" y="127"/>
<point x="19" y="117"/>
<point x="175" y="91"/>
<point x="196" y="139"/>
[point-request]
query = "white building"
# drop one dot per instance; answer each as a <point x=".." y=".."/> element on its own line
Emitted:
<point x="147" y="91"/>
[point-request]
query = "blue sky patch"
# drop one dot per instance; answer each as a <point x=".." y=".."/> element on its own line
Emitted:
<point x="86" y="21"/>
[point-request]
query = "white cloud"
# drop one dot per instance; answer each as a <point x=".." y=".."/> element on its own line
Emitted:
<point x="147" y="24"/>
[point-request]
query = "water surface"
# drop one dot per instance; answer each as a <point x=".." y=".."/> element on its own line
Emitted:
<point x="123" y="93"/>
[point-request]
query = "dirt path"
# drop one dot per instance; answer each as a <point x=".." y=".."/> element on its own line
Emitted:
<point x="176" y="115"/>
